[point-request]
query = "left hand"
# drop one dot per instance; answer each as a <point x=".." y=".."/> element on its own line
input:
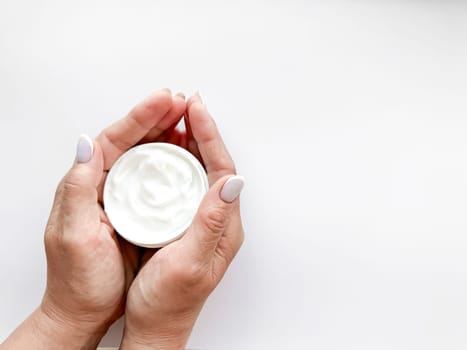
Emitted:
<point x="89" y="268"/>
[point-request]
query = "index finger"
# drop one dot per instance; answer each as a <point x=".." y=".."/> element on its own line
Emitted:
<point x="213" y="152"/>
<point x="125" y="133"/>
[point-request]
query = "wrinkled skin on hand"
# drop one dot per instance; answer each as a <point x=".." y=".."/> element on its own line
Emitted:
<point x="94" y="276"/>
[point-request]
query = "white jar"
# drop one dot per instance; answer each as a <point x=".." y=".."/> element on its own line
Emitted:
<point x="153" y="192"/>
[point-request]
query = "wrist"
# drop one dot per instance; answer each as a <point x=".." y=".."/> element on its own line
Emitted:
<point x="156" y="341"/>
<point x="82" y="323"/>
<point x="41" y="331"/>
<point x="65" y="331"/>
<point x="165" y="333"/>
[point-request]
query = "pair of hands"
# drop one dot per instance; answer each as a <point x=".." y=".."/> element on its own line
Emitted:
<point x="94" y="276"/>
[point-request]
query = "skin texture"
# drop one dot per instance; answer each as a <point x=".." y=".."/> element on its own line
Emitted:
<point x="94" y="276"/>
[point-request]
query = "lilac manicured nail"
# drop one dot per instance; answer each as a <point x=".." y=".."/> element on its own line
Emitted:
<point x="232" y="188"/>
<point x="84" y="149"/>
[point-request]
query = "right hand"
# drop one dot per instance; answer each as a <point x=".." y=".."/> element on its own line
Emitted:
<point x="169" y="291"/>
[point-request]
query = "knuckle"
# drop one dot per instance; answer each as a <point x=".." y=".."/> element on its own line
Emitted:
<point x="230" y="248"/>
<point x="189" y="278"/>
<point x="228" y="167"/>
<point x="214" y="220"/>
<point x="75" y="244"/>
<point x="73" y="187"/>
<point x="185" y="274"/>
<point x="229" y="163"/>
<point x="70" y="244"/>
<point x="113" y="138"/>
<point x="70" y="186"/>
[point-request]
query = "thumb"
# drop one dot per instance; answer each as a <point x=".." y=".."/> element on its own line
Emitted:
<point x="214" y="214"/>
<point x="78" y="188"/>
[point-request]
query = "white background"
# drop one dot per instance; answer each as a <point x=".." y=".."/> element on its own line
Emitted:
<point x="347" y="118"/>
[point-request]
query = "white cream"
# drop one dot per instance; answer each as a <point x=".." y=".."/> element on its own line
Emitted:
<point x="153" y="192"/>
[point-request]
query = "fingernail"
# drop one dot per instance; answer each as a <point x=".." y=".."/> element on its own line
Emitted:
<point x="181" y="95"/>
<point x="84" y="149"/>
<point x="198" y="95"/>
<point x="232" y="188"/>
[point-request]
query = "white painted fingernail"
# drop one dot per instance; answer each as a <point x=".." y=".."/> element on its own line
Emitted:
<point x="84" y="149"/>
<point x="232" y="188"/>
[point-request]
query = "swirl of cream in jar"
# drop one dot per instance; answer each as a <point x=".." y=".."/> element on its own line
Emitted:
<point x="153" y="192"/>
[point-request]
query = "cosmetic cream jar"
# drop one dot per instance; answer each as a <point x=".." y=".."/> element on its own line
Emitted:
<point x="152" y="193"/>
